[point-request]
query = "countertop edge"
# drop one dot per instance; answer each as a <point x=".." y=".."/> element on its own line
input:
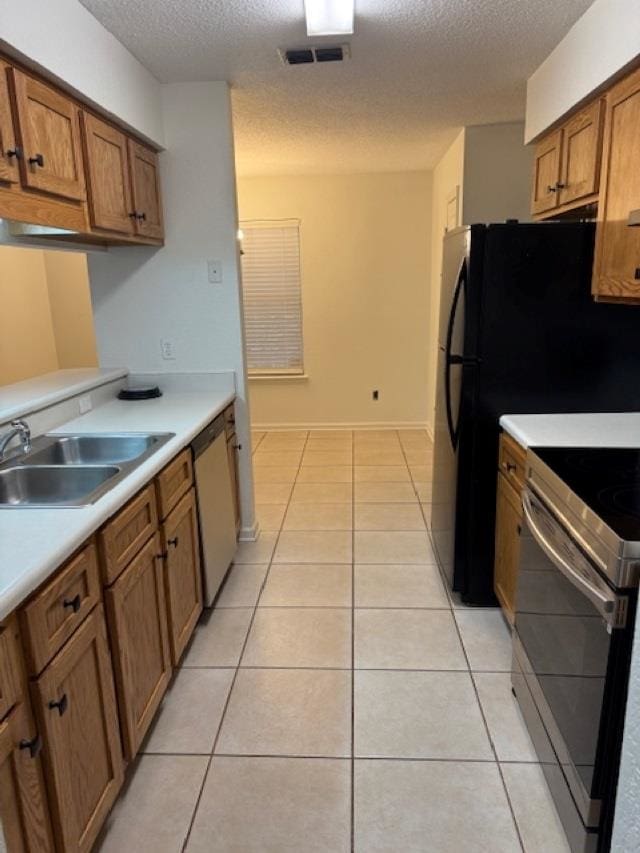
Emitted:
<point x="15" y="594"/>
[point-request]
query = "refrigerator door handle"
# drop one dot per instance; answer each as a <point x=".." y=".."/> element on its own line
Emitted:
<point x="450" y="359"/>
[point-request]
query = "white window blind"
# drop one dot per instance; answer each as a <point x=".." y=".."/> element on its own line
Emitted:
<point x="272" y="297"/>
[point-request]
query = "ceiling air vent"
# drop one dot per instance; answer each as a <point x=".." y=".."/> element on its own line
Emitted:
<point x="308" y="55"/>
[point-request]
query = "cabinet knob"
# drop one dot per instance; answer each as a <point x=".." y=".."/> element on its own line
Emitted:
<point x="73" y="603"/>
<point x="141" y="217"/>
<point x="173" y="542"/>
<point x="15" y="152"/>
<point x="34" y="745"/>
<point x="551" y="189"/>
<point x="510" y="467"/>
<point x="61" y="704"/>
<point x="38" y="160"/>
<point x="237" y="447"/>
<point x="133" y="214"/>
<point x="560" y="185"/>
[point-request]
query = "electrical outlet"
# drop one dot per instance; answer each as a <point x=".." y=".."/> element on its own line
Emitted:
<point x="84" y="404"/>
<point x="375" y="394"/>
<point x="167" y="350"/>
<point x="214" y="271"/>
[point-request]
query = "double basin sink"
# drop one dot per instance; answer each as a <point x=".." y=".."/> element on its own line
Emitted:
<point x="73" y="470"/>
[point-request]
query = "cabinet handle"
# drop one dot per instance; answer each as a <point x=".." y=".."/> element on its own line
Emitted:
<point x="73" y="603"/>
<point x="34" y="745"/>
<point x="551" y="189"/>
<point x="162" y="556"/>
<point x="61" y="704"/>
<point x="15" y="152"/>
<point x="133" y="214"/>
<point x="510" y="467"/>
<point x="141" y="217"/>
<point x="560" y="186"/>
<point x="237" y="447"/>
<point x="173" y="541"/>
<point x="38" y="160"/>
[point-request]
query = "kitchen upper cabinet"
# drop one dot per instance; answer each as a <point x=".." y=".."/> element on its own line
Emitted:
<point x="546" y="173"/>
<point x="75" y="706"/>
<point x="48" y="131"/>
<point x="108" y="178"/>
<point x="137" y="614"/>
<point x="581" y="147"/>
<point x="24" y="816"/>
<point x="145" y="183"/>
<point x="183" y="579"/>
<point x="9" y="172"/>
<point x="617" y="253"/>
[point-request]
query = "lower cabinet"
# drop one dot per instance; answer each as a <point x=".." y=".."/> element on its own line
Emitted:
<point x="75" y="705"/>
<point x="24" y="816"/>
<point x="137" y="616"/>
<point x="507" y="553"/>
<point x="183" y="579"/>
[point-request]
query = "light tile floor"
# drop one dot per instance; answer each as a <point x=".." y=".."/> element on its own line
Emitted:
<point x="337" y="698"/>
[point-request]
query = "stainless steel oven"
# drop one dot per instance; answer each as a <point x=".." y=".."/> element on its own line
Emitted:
<point x="572" y="644"/>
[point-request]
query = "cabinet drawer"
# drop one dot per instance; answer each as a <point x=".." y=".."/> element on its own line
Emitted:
<point x="512" y="461"/>
<point x="174" y="481"/>
<point x="122" y="537"/>
<point x="57" y="610"/>
<point x="9" y="667"/>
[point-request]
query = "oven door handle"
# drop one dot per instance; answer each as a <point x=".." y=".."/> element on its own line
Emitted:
<point x="606" y="604"/>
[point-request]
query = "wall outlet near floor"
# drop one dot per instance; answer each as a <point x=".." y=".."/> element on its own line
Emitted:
<point x="375" y="394"/>
<point x="167" y="349"/>
<point x="214" y="271"/>
<point x="84" y="404"/>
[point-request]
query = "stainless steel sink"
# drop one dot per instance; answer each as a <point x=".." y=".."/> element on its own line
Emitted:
<point x="92" y="449"/>
<point x="53" y="485"/>
<point x="73" y="470"/>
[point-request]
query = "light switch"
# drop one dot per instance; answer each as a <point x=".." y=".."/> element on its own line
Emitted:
<point x="214" y="269"/>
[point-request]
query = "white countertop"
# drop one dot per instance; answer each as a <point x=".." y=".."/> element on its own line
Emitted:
<point x="35" y="542"/>
<point x="31" y="395"/>
<point x="576" y="430"/>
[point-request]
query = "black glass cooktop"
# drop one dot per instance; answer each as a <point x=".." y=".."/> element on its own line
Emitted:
<point x="607" y="479"/>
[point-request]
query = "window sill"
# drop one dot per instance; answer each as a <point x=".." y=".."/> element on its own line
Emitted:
<point x="278" y="377"/>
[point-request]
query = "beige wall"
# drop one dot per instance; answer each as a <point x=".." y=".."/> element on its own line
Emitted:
<point x="45" y="314"/>
<point x="71" y="313"/>
<point x="365" y="242"/>
<point x="448" y="174"/>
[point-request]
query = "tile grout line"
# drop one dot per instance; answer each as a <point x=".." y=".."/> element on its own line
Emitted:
<point x="237" y="669"/>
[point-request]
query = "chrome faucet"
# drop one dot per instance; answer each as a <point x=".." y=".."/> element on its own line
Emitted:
<point x="20" y="428"/>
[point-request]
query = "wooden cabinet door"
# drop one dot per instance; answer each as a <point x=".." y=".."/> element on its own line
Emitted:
<point x="546" y="173"/>
<point x="507" y="553"/>
<point x="76" y="709"/>
<point x="9" y="172"/>
<point x="24" y="816"/>
<point x="137" y="616"/>
<point x="617" y="253"/>
<point x="183" y="579"/>
<point x="108" y="178"/>
<point x="145" y="183"/>
<point x="581" y="149"/>
<point x="49" y="134"/>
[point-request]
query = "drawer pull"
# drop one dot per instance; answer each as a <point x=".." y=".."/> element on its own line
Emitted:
<point x="237" y="447"/>
<point x="173" y="541"/>
<point x="73" y="603"/>
<point x="61" y="704"/>
<point x="38" y="160"/>
<point x="34" y="746"/>
<point x="15" y="152"/>
<point x="510" y="467"/>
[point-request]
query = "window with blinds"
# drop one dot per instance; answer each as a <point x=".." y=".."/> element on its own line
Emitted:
<point x="272" y="296"/>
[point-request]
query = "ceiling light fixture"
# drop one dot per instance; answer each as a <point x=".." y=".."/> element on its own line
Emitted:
<point x="329" y="17"/>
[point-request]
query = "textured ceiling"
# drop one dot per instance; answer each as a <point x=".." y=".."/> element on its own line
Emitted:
<point x="420" y="69"/>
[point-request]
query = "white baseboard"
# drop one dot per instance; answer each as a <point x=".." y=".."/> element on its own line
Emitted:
<point x="257" y="427"/>
<point x="249" y="534"/>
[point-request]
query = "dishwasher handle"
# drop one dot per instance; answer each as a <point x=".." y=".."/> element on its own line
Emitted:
<point x="207" y="436"/>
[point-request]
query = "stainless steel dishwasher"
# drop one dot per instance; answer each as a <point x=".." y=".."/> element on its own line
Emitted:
<point x="215" y="505"/>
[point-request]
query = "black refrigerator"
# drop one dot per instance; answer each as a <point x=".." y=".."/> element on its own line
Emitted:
<point x="519" y="333"/>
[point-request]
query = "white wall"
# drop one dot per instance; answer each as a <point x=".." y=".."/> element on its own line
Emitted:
<point x="603" y="41"/>
<point x="64" y="40"/>
<point x="497" y="173"/>
<point x="142" y="295"/>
